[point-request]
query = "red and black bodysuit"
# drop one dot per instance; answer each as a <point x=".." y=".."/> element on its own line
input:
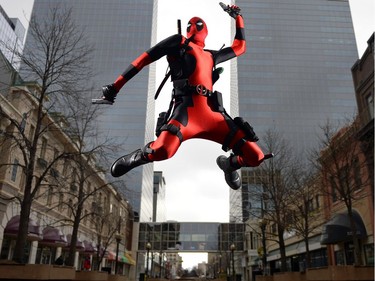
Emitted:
<point x="196" y="111"/>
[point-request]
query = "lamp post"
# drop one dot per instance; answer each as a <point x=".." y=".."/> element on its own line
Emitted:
<point x="148" y="247"/>
<point x="219" y="265"/>
<point x="232" y="248"/>
<point x="264" y="255"/>
<point x="160" y="263"/>
<point x="118" y="240"/>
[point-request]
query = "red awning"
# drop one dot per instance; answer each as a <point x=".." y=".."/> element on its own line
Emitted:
<point x="53" y="237"/>
<point x="33" y="231"/>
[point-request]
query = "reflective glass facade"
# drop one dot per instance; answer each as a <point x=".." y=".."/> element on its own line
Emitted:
<point x="295" y="74"/>
<point x="191" y="236"/>
<point x="12" y="34"/>
<point x="120" y="31"/>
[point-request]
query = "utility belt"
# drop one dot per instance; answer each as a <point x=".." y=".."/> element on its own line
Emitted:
<point x="182" y="88"/>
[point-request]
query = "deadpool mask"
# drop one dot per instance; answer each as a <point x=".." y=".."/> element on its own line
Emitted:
<point x="197" y="27"/>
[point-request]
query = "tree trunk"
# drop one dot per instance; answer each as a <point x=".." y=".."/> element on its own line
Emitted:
<point x="308" y="258"/>
<point x="19" y="250"/>
<point x="280" y="231"/>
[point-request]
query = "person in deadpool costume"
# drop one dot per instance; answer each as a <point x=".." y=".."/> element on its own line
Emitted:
<point x="197" y="110"/>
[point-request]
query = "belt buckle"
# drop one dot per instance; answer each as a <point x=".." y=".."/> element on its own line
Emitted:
<point x="201" y="90"/>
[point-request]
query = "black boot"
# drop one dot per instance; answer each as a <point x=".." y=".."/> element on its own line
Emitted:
<point x="232" y="178"/>
<point x="125" y="163"/>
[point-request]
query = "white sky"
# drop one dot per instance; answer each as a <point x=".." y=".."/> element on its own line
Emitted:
<point x="199" y="192"/>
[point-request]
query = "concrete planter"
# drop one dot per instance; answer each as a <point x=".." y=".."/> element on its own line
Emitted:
<point x="36" y="272"/>
<point x="264" y="278"/>
<point x="289" y="276"/>
<point x="117" y="278"/>
<point x="341" y="273"/>
<point x="330" y="273"/>
<point x="91" y="276"/>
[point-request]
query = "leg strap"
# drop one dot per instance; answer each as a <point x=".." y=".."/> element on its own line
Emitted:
<point x="237" y="146"/>
<point x="233" y="130"/>
<point x="173" y="129"/>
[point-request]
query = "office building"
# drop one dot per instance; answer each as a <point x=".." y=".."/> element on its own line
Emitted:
<point x="12" y="34"/>
<point x="295" y="74"/>
<point x="159" y="208"/>
<point x="119" y="32"/>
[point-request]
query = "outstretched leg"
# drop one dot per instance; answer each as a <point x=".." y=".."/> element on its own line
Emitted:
<point x="164" y="147"/>
<point x="130" y="161"/>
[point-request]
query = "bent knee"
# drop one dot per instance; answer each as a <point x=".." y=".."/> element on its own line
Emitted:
<point x="164" y="148"/>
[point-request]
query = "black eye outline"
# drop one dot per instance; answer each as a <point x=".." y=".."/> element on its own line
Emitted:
<point x="188" y="26"/>
<point x="199" y="25"/>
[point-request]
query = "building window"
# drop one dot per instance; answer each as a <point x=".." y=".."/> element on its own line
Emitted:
<point x="61" y="200"/>
<point x="369" y="254"/>
<point x="14" y="170"/>
<point x="49" y="196"/>
<point x="370" y="104"/>
<point x="357" y="174"/>
<point x="31" y="132"/>
<point x="317" y="201"/>
<point x="23" y="122"/>
<point x="70" y="208"/>
<point x="43" y="148"/>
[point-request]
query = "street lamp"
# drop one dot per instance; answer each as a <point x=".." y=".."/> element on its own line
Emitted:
<point x="219" y="265"/>
<point x="160" y="263"/>
<point x="118" y="240"/>
<point x="263" y="225"/>
<point x="148" y="247"/>
<point x="232" y="248"/>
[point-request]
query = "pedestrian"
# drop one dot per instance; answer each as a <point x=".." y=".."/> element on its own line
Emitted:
<point x="87" y="263"/>
<point x="59" y="260"/>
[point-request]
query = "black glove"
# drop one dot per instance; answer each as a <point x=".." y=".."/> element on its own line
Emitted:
<point x="109" y="92"/>
<point x="233" y="10"/>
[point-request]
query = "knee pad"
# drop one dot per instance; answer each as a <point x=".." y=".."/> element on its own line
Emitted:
<point x="247" y="128"/>
<point x="173" y="129"/>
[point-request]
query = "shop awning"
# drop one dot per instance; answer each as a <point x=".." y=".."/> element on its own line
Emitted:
<point x="124" y="258"/>
<point x="130" y="259"/>
<point x="53" y="237"/>
<point x="33" y="231"/>
<point x="89" y="247"/>
<point x="338" y="229"/>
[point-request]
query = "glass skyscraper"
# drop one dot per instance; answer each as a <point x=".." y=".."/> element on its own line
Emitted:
<point x="295" y="74"/>
<point x="12" y="34"/>
<point x="120" y="31"/>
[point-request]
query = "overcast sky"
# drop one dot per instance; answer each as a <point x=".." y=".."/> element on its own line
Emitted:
<point x="196" y="190"/>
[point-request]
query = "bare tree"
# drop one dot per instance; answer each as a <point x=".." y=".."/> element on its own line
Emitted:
<point x="58" y="60"/>
<point x="275" y="179"/>
<point x="107" y="225"/>
<point x="91" y="148"/>
<point x="306" y="207"/>
<point x="344" y="171"/>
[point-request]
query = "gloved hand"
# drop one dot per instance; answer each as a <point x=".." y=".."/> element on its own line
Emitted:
<point x="109" y="93"/>
<point x="233" y="10"/>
